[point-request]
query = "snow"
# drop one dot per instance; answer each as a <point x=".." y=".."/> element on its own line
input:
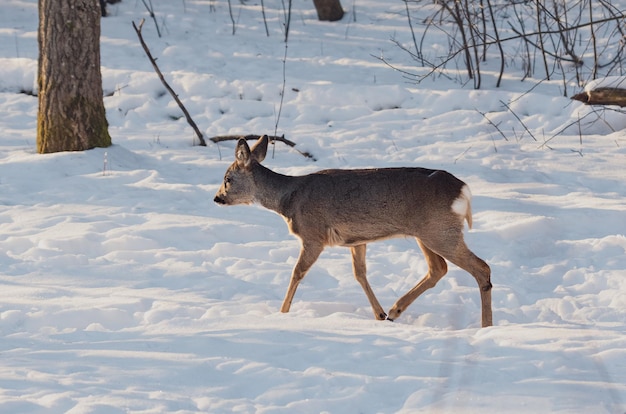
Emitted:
<point x="125" y="289"/>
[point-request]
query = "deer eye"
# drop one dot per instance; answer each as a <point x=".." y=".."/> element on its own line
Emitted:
<point x="227" y="180"/>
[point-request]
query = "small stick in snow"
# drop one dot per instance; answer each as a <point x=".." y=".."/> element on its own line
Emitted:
<point x="519" y="119"/>
<point x="167" y="86"/>
<point x="151" y="12"/>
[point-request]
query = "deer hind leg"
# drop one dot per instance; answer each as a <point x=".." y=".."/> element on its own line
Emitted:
<point x="458" y="253"/>
<point x="358" y="265"/>
<point x="437" y="268"/>
<point x="468" y="261"/>
<point x="308" y="255"/>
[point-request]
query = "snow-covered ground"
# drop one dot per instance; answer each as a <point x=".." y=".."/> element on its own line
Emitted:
<point x="126" y="289"/>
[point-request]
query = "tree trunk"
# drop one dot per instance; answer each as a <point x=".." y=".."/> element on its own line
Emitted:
<point x="330" y="10"/>
<point x="71" y="109"/>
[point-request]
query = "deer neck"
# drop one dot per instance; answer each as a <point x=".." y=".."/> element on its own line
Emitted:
<point x="272" y="188"/>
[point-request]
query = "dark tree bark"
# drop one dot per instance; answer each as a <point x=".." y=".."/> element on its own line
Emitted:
<point x="71" y="109"/>
<point x="330" y="10"/>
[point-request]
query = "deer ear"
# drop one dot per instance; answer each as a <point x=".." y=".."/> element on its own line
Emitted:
<point x="242" y="153"/>
<point x="260" y="148"/>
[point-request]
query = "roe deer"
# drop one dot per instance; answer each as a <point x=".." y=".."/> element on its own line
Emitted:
<point x="354" y="207"/>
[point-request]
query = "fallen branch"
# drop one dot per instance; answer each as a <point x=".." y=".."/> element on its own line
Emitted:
<point x="251" y="137"/>
<point x="603" y="96"/>
<point x="167" y="86"/>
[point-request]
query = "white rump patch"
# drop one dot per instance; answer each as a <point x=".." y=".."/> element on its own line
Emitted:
<point x="461" y="205"/>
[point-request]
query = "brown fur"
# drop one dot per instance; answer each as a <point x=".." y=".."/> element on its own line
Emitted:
<point x="354" y="207"/>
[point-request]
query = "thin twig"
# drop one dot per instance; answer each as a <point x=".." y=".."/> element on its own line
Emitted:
<point x="538" y="47"/>
<point x="287" y="19"/>
<point x="492" y="124"/>
<point x="167" y="86"/>
<point x="595" y="46"/>
<point x="151" y="12"/>
<point x="526" y="36"/>
<point x="267" y="31"/>
<point x="232" y="19"/>
<point x="250" y="137"/>
<point x="519" y="119"/>
<point x="462" y="154"/>
<point x="418" y="52"/>
<point x="499" y="43"/>
<point x="542" y="47"/>
<point x="282" y="92"/>
<point x="580" y="136"/>
<point x="564" y="128"/>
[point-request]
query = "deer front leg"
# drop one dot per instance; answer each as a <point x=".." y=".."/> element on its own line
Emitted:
<point x="308" y="255"/>
<point x="437" y="269"/>
<point x="360" y="273"/>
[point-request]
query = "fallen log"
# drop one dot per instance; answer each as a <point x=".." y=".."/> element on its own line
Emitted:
<point x="603" y="96"/>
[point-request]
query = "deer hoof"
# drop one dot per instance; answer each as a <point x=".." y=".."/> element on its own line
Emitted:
<point x="394" y="313"/>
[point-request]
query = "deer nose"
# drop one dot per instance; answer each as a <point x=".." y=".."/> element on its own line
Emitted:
<point x="218" y="200"/>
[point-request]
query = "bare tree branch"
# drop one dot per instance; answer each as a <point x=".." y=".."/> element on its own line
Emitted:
<point x="464" y="47"/>
<point x="251" y="137"/>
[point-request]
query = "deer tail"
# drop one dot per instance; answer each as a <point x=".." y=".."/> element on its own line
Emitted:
<point x="462" y="205"/>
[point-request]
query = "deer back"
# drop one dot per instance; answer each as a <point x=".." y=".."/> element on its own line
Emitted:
<point x="355" y="206"/>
